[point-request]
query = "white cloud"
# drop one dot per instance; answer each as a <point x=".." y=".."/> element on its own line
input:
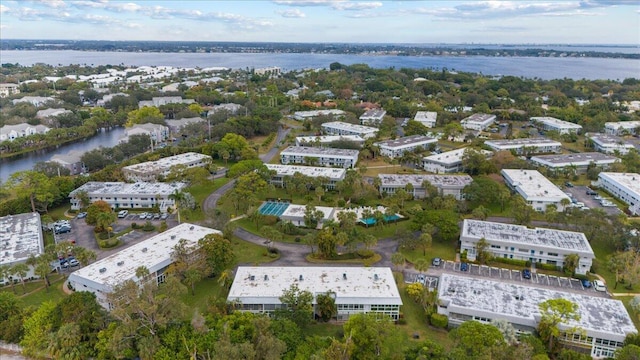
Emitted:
<point x="356" y="5"/>
<point x="306" y="2"/>
<point x="500" y="9"/>
<point x="4" y="9"/>
<point x="292" y="13"/>
<point x="51" y="3"/>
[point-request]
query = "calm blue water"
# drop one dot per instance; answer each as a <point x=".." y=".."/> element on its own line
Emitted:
<point x="24" y="162"/>
<point x="529" y="67"/>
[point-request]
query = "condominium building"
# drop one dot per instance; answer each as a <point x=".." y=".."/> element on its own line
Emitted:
<point x="12" y="132"/>
<point x="624" y="186"/>
<point x="158" y="101"/>
<point x="8" y="89"/>
<point x="445" y="184"/>
<point x="158" y="133"/>
<point x="526" y="146"/>
<point x="179" y="124"/>
<point x="620" y="128"/>
<point x="344" y="158"/>
<point x="327" y="139"/>
<point x="609" y="144"/>
<point x="34" y="100"/>
<point x="579" y="162"/>
<point x="538" y="245"/>
<point x="548" y="123"/>
<point x="284" y="172"/>
<point x="151" y="170"/>
<point x="449" y="161"/>
<point x="72" y="161"/>
<point x="21" y="237"/>
<point x="536" y="189"/>
<point x="343" y="128"/>
<point x="603" y="322"/>
<point x="355" y="290"/>
<point x="478" y="121"/>
<point x="372" y="117"/>
<point x="308" y="115"/>
<point x="155" y="254"/>
<point x="121" y="195"/>
<point x="397" y="148"/>
<point x="426" y="118"/>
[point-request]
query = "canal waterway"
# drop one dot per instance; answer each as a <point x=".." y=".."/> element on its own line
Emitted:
<point x="105" y="138"/>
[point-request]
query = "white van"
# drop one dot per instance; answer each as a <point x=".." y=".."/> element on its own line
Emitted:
<point x="123" y="213"/>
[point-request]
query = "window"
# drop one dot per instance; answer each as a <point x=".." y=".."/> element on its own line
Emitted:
<point x="495" y="246"/>
<point x="552" y="254"/>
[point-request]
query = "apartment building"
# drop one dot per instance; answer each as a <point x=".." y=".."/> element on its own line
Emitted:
<point x="478" y="122"/>
<point x="426" y="118"/>
<point x="609" y="144"/>
<point x="150" y="171"/>
<point x="372" y="117"/>
<point x="621" y="128"/>
<point x="536" y="189"/>
<point x="579" y="162"/>
<point x="449" y="161"/>
<point x="548" y="123"/>
<point x="283" y="172"/>
<point x="445" y="184"/>
<point x="327" y="139"/>
<point x="526" y="146"/>
<point x="623" y="186"/>
<point x="119" y="195"/>
<point x="72" y="161"/>
<point x="21" y="236"/>
<point x="344" y="158"/>
<point x="343" y="128"/>
<point x="308" y="115"/>
<point x="397" y="148"/>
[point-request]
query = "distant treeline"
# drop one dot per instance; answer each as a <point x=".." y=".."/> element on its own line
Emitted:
<point x="324" y="48"/>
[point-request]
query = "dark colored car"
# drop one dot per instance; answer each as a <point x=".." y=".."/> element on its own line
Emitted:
<point x="568" y="184"/>
<point x="586" y="283"/>
<point x="464" y="267"/>
<point x="526" y="274"/>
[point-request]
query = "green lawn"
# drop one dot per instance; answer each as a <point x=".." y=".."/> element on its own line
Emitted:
<point x="417" y="319"/>
<point x="58" y="212"/>
<point x="442" y="249"/>
<point x="207" y="288"/>
<point x="36" y="293"/>
<point x="250" y="254"/>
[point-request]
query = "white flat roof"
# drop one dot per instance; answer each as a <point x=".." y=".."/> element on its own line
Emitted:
<point x="20" y="237"/>
<point x="311" y="171"/>
<point x="609" y="140"/>
<point x="442" y="181"/>
<point x="329" y="138"/>
<point x="522" y="235"/>
<point x="519" y="304"/>
<point x="478" y="118"/>
<point x="426" y="116"/>
<point x="313" y="113"/>
<point x="139" y="188"/>
<point x="405" y="142"/>
<point x="628" y="125"/>
<point x="578" y="159"/>
<point x="451" y="157"/>
<point x="362" y="285"/>
<point x="320" y="152"/>
<point x="628" y="181"/>
<point x="168" y="162"/>
<point x="518" y="143"/>
<point x="551" y="121"/>
<point x="340" y="125"/>
<point x="153" y="253"/>
<point x="532" y="185"/>
<point x="297" y="211"/>
<point x="373" y="114"/>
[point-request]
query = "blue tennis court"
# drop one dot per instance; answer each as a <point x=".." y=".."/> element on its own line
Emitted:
<point x="273" y="208"/>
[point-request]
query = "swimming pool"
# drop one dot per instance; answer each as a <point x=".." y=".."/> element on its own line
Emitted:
<point x="274" y="208"/>
<point x="372" y="221"/>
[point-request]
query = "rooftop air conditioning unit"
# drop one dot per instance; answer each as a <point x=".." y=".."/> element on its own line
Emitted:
<point x="252" y="277"/>
<point x="173" y="237"/>
<point x="120" y="263"/>
<point x="266" y="277"/>
<point x="191" y="227"/>
<point x="144" y="249"/>
<point x="344" y="276"/>
<point x="300" y="277"/>
<point x="375" y="277"/>
<point x="103" y="270"/>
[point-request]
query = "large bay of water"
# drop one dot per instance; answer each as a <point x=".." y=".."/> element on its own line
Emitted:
<point x="529" y="67"/>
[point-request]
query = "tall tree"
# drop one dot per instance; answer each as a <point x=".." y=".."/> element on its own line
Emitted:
<point x="20" y="270"/>
<point x="326" y="306"/>
<point x="298" y="305"/>
<point x="217" y="253"/>
<point x="553" y="313"/>
<point x="40" y="189"/>
<point x="373" y="336"/>
<point x="474" y="340"/>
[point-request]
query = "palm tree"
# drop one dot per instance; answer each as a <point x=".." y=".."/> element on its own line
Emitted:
<point x="21" y="271"/>
<point x="177" y="196"/>
<point x="142" y="272"/>
<point x="5" y="273"/>
<point x="104" y="220"/>
<point x="421" y="265"/>
<point x="225" y="278"/>
<point x="84" y="256"/>
<point x="42" y="269"/>
<point x="397" y="259"/>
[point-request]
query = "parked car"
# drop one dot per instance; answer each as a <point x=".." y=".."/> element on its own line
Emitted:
<point x="62" y="229"/>
<point x="149" y="216"/>
<point x="591" y="192"/>
<point x="526" y="274"/>
<point x="464" y="267"/>
<point x="81" y="215"/>
<point x="568" y="184"/>
<point x="586" y="283"/>
<point x="73" y="262"/>
<point x="123" y="213"/>
<point x="156" y="216"/>
<point x="143" y="216"/>
<point x="436" y="261"/>
<point x="164" y="216"/>
<point x="598" y="285"/>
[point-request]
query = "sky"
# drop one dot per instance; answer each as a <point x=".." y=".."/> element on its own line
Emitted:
<point x="327" y="21"/>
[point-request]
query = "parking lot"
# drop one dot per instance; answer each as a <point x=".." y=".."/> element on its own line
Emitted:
<point x="430" y="278"/>
<point x="579" y="193"/>
<point x="82" y="234"/>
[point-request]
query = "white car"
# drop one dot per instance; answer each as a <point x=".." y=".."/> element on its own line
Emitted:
<point x="598" y="285"/>
<point x="143" y="216"/>
<point x="123" y="213"/>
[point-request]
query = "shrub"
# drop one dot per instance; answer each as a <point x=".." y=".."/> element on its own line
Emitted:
<point x="106" y="244"/>
<point x="402" y="321"/>
<point x="148" y="226"/>
<point x="548" y="267"/>
<point x="134" y="225"/>
<point x="297" y="239"/>
<point x="365" y="254"/>
<point x="341" y="203"/>
<point x="163" y="226"/>
<point x="516" y="262"/>
<point x="439" y="320"/>
<point x="269" y="220"/>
